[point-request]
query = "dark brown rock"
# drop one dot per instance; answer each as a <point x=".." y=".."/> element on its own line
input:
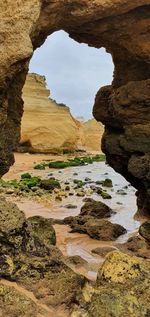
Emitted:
<point x="99" y="229"/>
<point x="96" y="209"/>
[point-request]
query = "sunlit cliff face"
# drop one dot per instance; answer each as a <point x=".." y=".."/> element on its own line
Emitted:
<point x="122" y="27"/>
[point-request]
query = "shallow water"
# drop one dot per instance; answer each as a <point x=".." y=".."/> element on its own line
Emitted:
<point x="77" y="244"/>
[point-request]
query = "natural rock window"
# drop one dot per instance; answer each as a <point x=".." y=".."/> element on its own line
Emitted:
<point x="73" y="73"/>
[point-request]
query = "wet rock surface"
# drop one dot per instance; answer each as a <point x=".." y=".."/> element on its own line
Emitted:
<point x="99" y="229"/>
<point x="95" y="209"/>
<point x="136" y="245"/>
<point x="144" y="231"/>
<point x="29" y="256"/>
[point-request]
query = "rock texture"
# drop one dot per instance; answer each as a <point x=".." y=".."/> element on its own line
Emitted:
<point x="29" y="256"/>
<point x="49" y="127"/>
<point x="122" y="27"/>
<point x="91" y="133"/>
<point x="46" y="126"/>
<point x="122" y="288"/>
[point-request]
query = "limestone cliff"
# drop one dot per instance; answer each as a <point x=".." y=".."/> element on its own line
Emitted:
<point x="49" y="127"/>
<point x="46" y="126"/>
<point x="91" y="133"/>
<point x="122" y="27"/>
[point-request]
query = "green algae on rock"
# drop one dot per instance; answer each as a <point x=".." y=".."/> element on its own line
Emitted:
<point x="123" y="287"/>
<point x="14" y="304"/>
<point x="30" y="184"/>
<point x="42" y="229"/>
<point x="29" y="257"/>
<point x="144" y="231"/>
<point x="107" y="183"/>
<point x="77" y="161"/>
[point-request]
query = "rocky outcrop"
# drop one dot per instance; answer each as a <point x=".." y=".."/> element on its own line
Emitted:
<point x="122" y="288"/>
<point x="99" y="229"/>
<point x="49" y="127"/>
<point x="29" y="256"/>
<point x="122" y="27"/>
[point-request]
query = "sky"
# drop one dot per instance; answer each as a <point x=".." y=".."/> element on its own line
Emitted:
<point x="74" y="72"/>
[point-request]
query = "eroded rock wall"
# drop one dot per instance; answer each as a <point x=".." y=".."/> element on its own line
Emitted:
<point x="122" y="27"/>
<point x="48" y="127"/>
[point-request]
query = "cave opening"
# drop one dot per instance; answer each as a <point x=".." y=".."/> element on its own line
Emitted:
<point x="74" y="72"/>
<point x="67" y="74"/>
<point x="71" y="79"/>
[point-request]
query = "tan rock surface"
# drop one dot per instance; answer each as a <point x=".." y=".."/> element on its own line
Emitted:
<point x="92" y="132"/>
<point x="49" y="127"/>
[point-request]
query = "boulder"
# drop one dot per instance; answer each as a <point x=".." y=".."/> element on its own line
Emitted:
<point x="122" y="288"/>
<point x="96" y="209"/>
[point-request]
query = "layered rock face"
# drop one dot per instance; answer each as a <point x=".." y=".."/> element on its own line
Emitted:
<point x="91" y="133"/>
<point x="48" y="127"/>
<point x="122" y="27"/>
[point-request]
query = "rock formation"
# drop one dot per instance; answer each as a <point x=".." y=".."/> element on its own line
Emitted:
<point x="122" y="27"/>
<point x="49" y="127"/>
<point x="91" y="133"/>
<point x="46" y="126"/>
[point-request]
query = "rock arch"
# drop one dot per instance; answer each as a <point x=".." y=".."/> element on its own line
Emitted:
<point x="123" y="28"/>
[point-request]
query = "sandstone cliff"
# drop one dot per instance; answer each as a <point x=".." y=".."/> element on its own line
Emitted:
<point x="49" y="127"/>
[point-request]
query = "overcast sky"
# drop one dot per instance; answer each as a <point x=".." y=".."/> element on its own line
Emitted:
<point x="74" y="72"/>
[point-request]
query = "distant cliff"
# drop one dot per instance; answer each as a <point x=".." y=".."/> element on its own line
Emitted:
<point x="49" y="127"/>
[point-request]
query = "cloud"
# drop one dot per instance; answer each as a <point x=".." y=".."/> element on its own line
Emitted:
<point x="74" y="72"/>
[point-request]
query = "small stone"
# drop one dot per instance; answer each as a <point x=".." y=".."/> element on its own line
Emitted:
<point x="58" y="198"/>
<point x="107" y="182"/>
<point x="105" y="195"/>
<point x="80" y="194"/>
<point x="67" y="188"/>
<point x="56" y="190"/>
<point x="66" y="183"/>
<point x="121" y="192"/>
<point x="99" y="182"/>
<point x="102" y="251"/>
<point x="35" y="188"/>
<point x="70" y="206"/>
<point x="87" y="179"/>
<point x="10" y="191"/>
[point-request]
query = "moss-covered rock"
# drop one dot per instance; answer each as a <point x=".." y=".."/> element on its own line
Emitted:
<point x="42" y="229"/>
<point x="12" y="222"/>
<point x="144" y="231"/>
<point x="28" y="256"/>
<point x="122" y="288"/>
<point x="107" y="182"/>
<point x="15" y="304"/>
<point x="95" y="209"/>
<point x="77" y="161"/>
<point x="49" y="184"/>
<point x="105" y="195"/>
